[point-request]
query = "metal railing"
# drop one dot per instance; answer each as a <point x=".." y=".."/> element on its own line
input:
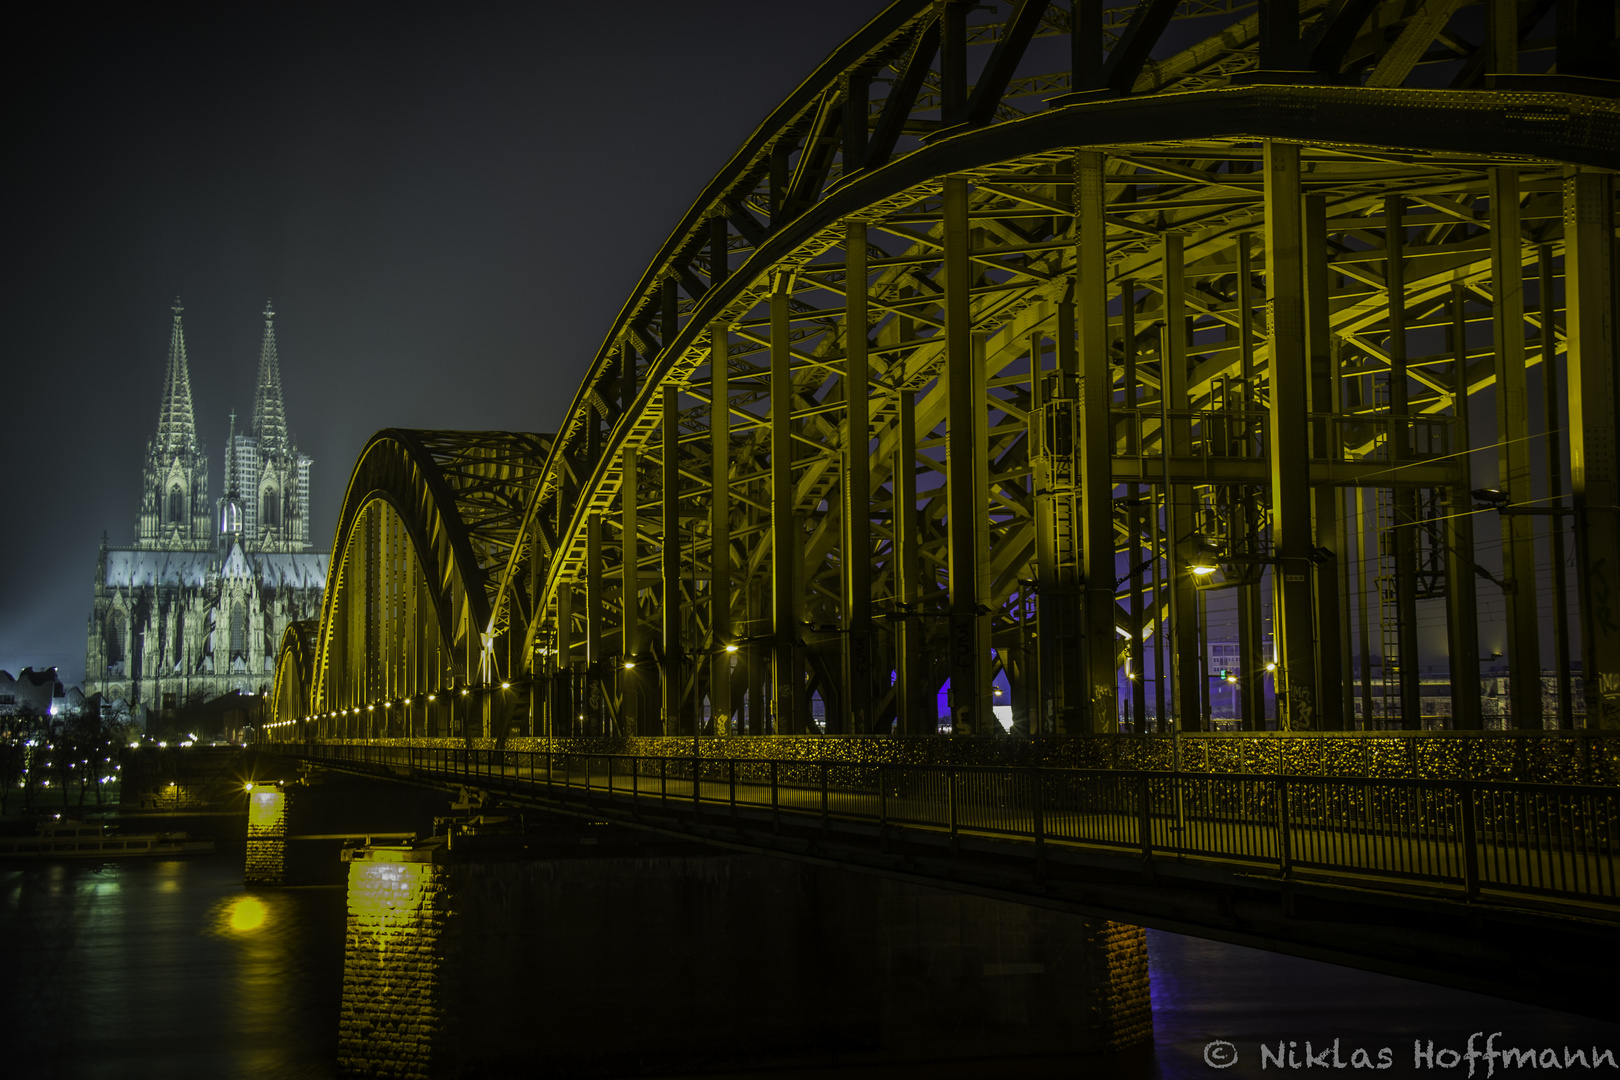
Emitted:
<point x="1471" y="836"/>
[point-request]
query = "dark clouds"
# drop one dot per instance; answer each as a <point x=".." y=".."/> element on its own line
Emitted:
<point x="448" y="205"/>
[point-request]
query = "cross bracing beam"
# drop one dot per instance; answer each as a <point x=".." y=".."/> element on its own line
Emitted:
<point x="1183" y="109"/>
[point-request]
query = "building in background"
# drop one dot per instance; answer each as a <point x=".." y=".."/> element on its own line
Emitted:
<point x="38" y="693"/>
<point x="195" y="609"/>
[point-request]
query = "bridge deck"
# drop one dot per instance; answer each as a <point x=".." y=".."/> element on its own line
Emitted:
<point x="1503" y="888"/>
<point x="1521" y="842"/>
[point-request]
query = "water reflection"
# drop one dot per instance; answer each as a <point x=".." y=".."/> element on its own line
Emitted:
<point x="172" y="969"/>
<point x="242" y="914"/>
<point x="175" y="970"/>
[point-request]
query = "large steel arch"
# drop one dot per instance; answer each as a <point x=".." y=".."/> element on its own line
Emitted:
<point x="1146" y="290"/>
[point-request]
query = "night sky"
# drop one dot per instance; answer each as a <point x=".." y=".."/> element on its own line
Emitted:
<point x="447" y="205"/>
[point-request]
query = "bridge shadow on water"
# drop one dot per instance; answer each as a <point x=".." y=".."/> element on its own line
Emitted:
<point x="1209" y="992"/>
<point x="160" y="969"/>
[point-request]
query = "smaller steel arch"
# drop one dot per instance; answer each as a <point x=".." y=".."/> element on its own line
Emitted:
<point x="295" y="669"/>
<point x="453" y="492"/>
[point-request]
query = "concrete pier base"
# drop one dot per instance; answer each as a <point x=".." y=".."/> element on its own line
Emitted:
<point x="267" y="833"/>
<point x="587" y="952"/>
<point x="298" y="825"/>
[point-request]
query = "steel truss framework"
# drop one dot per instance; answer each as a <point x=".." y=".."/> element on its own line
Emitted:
<point x="1159" y="311"/>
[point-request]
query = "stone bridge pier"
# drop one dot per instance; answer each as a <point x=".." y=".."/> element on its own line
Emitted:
<point x="299" y="824"/>
<point x="582" y="950"/>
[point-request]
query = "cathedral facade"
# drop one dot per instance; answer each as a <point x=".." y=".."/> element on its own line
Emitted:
<point x="196" y="607"/>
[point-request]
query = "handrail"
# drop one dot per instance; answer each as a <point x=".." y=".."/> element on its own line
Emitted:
<point x="1506" y="838"/>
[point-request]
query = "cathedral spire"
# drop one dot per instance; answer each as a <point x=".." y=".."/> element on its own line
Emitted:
<point x="177" y="428"/>
<point x="230" y="459"/>
<point x="269" y="417"/>
<point x="230" y="507"/>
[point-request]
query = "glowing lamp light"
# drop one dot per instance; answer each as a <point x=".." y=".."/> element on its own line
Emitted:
<point x="464" y="693"/>
<point x="506" y="686"/>
<point x="371" y="708"/>
<point x="731" y="648"/>
<point x="1271" y="667"/>
<point x="433" y="697"/>
<point x="1203" y="567"/>
<point x="628" y="664"/>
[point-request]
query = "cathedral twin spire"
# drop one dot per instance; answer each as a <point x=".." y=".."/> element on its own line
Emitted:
<point x="269" y="416"/>
<point x="266" y="478"/>
<point x="177" y="426"/>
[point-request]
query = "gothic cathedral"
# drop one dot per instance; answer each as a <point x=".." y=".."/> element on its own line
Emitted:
<point x="197" y="607"/>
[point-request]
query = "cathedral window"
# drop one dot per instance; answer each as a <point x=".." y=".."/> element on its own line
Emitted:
<point x="177" y="505"/>
<point x="239" y="632"/>
<point x="115" y="638"/>
<point x="272" y="508"/>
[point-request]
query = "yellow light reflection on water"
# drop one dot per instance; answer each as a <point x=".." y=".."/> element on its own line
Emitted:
<point x="246" y="913"/>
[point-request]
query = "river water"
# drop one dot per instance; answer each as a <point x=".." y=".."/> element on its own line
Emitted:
<point x="173" y="969"/>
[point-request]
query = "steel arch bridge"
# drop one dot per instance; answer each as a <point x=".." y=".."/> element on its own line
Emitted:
<point x="1042" y="345"/>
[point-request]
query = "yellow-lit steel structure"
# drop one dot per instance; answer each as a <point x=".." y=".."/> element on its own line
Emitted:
<point x="1022" y="345"/>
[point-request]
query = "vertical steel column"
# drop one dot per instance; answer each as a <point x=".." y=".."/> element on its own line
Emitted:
<point x="627" y="378"/>
<point x="1133" y="402"/>
<point x="1059" y="594"/>
<point x="563" y="711"/>
<point x="857" y="490"/>
<point x="953" y="65"/>
<point x="908" y="687"/>
<point x="1174" y="443"/>
<point x="1096" y="448"/>
<point x="1513" y="454"/>
<point x="1547" y="345"/>
<point x="1279" y="35"/>
<point x="1085" y="42"/>
<point x="966" y="498"/>
<point x="719" y="529"/>
<point x="787" y="661"/>
<point x="1325" y="497"/>
<point x="979" y="371"/>
<point x="1404" y="521"/>
<point x="1251" y="644"/>
<point x="1366" y="570"/>
<point x="719" y="260"/>
<point x="629" y="593"/>
<point x="674" y="659"/>
<point x="1292" y="621"/>
<point x="1462" y="614"/>
<point x="857" y="85"/>
<point x="595" y="662"/>
<point x="1593" y="404"/>
<point x="1502" y="27"/>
